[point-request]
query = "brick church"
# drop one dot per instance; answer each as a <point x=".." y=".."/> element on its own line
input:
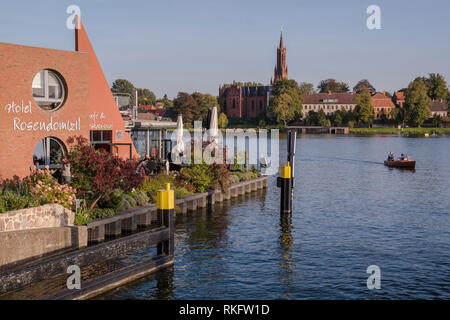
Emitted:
<point x="238" y="101"/>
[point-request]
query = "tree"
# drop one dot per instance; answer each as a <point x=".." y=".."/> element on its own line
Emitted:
<point x="166" y="101"/>
<point x="331" y="85"/>
<point x="286" y="109"/>
<point x="322" y="119"/>
<point x="123" y="86"/>
<point x="187" y="106"/>
<point x="364" y="83"/>
<point x="206" y="102"/>
<point x="417" y="102"/>
<point x="282" y="108"/>
<point x="223" y="120"/>
<point x="437" y="87"/>
<point x="146" y="97"/>
<point x="364" y="109"/>
<point x="307" y="88"/>
<point x="311" y="118"/>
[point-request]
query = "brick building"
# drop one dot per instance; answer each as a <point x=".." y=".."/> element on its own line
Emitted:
<point x="382" y="106"/>
<point x="399" y="98"/>
<point x="238" y="101"/>
<point x="50" y="95"/>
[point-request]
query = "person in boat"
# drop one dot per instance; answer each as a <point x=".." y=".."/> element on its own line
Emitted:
<point x="390" y="156"/>
<point x="402" y="157"/>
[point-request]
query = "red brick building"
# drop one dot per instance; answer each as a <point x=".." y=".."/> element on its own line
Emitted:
<point x="238" y="101"/>
<point x="399" y="98"/>
<point x="382" y="106"/>
<point x="50" y="95"/>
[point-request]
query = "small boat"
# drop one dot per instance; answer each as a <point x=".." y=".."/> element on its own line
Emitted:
<point x="404" y="164"/>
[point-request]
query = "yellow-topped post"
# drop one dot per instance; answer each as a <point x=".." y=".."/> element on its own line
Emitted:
<point x="286" y="189"/>
<point x="165" y="203"/>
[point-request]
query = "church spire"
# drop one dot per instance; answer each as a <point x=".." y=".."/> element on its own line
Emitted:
<point x="281" y="39"/>
<point x="281" y="71"/>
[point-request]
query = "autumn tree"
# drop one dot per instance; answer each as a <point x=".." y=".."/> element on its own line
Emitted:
<point x="222" y="120"/>
<point x="364" y="83"/>
<point x="166" y="101"/>
<point x="187" y="106"/>
<point x="206" y="102"/>
<point x="417" y="102"/>
<point x="331" y="85"/>
<point x="307" y="88"/>
<point x="286" y="102"/>
<point x="364" y="110"/>
<point x="146" y="97"/>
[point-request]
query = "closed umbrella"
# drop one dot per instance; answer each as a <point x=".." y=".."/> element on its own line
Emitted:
<point x="214" y="126"/>
<point x="179" y="148"/>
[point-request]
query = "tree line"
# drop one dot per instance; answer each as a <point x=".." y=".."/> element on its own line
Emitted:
<point x="193" y="107"/>
<point x="286" y="102"/>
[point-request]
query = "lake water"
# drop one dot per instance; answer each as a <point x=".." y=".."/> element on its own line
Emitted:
<point x="350" y="212"/>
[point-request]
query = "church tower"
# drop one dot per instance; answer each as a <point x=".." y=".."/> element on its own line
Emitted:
<point x="281" y="70"/>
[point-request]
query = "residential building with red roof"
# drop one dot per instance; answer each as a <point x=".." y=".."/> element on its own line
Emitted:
<point x="329" y="102"/>
<point x="399" y="98"/>
<point x="382" y="105"/>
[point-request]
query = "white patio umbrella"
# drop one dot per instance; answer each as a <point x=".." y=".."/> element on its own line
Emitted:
<point x="179" y="148"/>
<point x="214" y="126"/>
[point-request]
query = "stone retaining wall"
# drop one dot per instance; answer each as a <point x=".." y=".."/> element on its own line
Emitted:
<point x="47" y="216"/>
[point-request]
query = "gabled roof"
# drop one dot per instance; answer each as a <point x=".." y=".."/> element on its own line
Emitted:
<point x="399" y="95"/>
<point x="381" y="100"/>
<point x="437" y="105"/>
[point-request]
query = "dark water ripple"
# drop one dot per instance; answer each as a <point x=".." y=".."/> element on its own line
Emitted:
<point x="349" y="212"/>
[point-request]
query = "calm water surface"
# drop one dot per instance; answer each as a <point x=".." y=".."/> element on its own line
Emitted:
<point x="349" y="212"/>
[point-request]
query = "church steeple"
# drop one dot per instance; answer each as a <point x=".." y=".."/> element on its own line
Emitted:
<point x="281" y="71"/>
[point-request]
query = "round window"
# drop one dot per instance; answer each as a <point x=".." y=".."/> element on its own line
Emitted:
<point x="49" y="90"/>
<point x="49" y="152"/>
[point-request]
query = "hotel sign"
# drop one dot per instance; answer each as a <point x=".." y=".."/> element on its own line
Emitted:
<point x="19" y="125"/>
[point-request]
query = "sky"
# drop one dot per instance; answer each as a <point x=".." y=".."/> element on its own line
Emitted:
<point x="197" y="45"/>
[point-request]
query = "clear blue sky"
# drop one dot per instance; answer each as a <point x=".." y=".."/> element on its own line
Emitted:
<point x="171" y="46"/>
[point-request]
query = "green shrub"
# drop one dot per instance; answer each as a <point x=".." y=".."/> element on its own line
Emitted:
<point x="181" y="193"/>
<point x="199" y="175"/>
<point x="150" y="186"/>
<point x="140" y="197"/>
<point x="12" y="200"/>
<point x="234" y="178"/>
<point x="113" y="201"/>
<point x="85" y="216"/>
<point x="123" y="206"/>
<point x="130" y="200"/>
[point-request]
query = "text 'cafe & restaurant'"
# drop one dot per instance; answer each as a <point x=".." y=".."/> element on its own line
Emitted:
<point x="47" y="96"/>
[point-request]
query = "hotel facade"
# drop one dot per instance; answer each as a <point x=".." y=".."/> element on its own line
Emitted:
<point x="48" y="96"/>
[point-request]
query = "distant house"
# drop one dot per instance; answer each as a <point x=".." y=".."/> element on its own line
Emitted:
<point x="399" y="98"/>
<point x="329" y="102"/>
<point x="439" y="108"/>
<point x="382" y="105"/>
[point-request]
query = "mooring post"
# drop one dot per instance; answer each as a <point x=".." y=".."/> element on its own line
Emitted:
<point x="165" y="203"/>
<point x="286" y="189"/>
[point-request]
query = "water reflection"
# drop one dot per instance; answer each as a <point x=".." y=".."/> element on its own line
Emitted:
<point x="287" y="262"/>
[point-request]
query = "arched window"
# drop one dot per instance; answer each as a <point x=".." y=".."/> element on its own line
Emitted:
<point x="49" y="152"/>
<point x="260" y="105"/>
<point x="253" y="105"/>
<point x="234" y="104"/>
<point x="49" y="90"/>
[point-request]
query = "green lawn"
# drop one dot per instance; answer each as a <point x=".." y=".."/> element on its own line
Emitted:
<point x="405" y="131"/>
